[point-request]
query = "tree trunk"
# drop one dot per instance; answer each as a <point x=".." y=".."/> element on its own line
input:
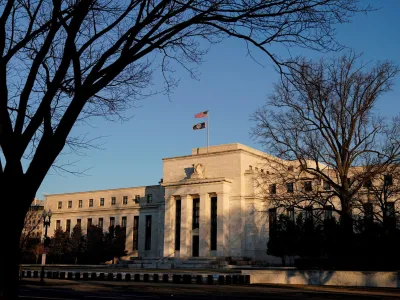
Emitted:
<point x="13" y="204"/>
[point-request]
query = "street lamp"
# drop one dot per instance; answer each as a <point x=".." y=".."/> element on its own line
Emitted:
<point x="46" y="215"/>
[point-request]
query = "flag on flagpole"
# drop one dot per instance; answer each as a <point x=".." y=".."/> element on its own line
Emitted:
<point x="203" y="114"/>
<point x="199" y="126"/>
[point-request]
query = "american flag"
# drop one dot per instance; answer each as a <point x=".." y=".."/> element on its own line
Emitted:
<point x="203" y="114"/>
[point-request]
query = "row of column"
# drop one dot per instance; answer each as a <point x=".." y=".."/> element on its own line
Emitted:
<point x="204" y="231"/>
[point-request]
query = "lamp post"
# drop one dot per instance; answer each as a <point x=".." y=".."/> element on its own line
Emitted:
<point x="46" y="215"/>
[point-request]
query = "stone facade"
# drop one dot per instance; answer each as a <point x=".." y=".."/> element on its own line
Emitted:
<point x="221" y="178"/>
<point x="33" y="227"/>
<point x="207" y="204"/>
<point x="116" y="206"/>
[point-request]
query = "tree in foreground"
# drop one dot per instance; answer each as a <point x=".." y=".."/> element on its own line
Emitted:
<point x="322" y="118"/>
<point x="63" y="61"/>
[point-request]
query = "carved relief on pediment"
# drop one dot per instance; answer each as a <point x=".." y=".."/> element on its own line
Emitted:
<point x="198" y="172"/>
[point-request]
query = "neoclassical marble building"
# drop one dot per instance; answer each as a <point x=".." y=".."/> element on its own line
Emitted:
<point x="205" y="205"/>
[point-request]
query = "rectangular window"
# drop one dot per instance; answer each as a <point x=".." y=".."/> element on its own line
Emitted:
<point x="388" y="179"/>
<point x="79" y="222"/>
<point x="125" y="200"/>
<point x="368" y="183"/>
<point x="80" y="204"/>
<point x="326" y="185"/>
<point x="113" y="200"/>
<point x="147" y="245"/>
<point x="272" y="218"/>
<point x="178" y="224"/>
<point x="308" y="186"/>
<point x="328" y="212"/>
<point x="368" y="210"/>
<point x="289" y="187"/>
<point x="390" y="212"/>
<point x="59" y="204"/>
<point x="68" y="226"/>
<point x="196" y="213"/>
<point x="58" y="224"/>
<point x="101" y="223"/>
<point x="214" y="218"/>
<point x="309" y="213"/>
<point x="123" y="222"/>
<point x="149" y="198"/>
<point x="69" y="204"/>
<point x="89" y="223"/>
<point x="290" y="213"/>
<point x="90" y="202"/>
<point x="112" y="221"/>
<point x="101" y="201"/>
<point x="137" y="199"/>
<point x="272" y="189"/>
<point x="135" y="232"/>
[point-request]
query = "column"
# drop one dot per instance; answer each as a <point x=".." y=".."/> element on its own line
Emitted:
<point x="169" y="226"/>
<point x="186" y="226"/>
<point x="142" y="234"/>
<point x="129" y="233"/>
<point x="106" y="222"/>
<point x="205" y="212"/>
<point x="223" y="224"/>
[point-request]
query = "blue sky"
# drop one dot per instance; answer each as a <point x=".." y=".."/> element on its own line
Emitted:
<point x="231" y="85"/>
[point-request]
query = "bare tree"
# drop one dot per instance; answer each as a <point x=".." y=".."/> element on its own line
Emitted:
<point x="285" y="186"/>
<point x="63" y="61"/>
<point x="378" y="200"/>
<point x="321" y="117"/>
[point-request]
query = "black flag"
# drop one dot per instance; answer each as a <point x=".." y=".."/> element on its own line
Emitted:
<point x="199" y="126"/>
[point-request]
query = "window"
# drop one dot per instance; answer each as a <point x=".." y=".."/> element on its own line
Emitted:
<point x="368" y="210"/>
<point x="89" y="223"/>
<point x="290" y="213"/>
<point x="59" y="204"/>
<point x="147" y="245"/>
<point x="123" y="222"/>
<point x="79" y="222"/>
<point x="308" y="186"/>
<point x="112" y="221"/>
<point x="101" y="224"/>
<point x="196" y="213"/>
<point x="90" y="202"/>
<point x="309" y="212"/>
<point x="80" y="204"/>
<point x="137" y="199"/>
<point x="113" y="200"/>
<point x="149" y="198"/>
<point x="214" y="218"/>
<point x="125" y="200"/>
<point x="390" y="212"/>
<point x="289" y="187"/>
<point x="272" y="218"/>
<point x="328" y="212"/>
<point x="68" y="226"/>
<point x="101" y="201"/>
<point x="326" y="186"/>
<point x="135" y="232"/>
<point x="368" y="183"/>
<point x="272" y="189"/>
<point x="69" y="204"/>
<point x="58" y="224"/>
<point x="178" y="224"/>
<point x="388" y="179"/>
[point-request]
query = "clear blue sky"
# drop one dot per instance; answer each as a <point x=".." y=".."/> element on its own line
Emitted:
<point x="231" y="86"/>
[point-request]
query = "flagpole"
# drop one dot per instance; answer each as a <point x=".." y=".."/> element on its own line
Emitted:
<point x="208" y="129"/>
